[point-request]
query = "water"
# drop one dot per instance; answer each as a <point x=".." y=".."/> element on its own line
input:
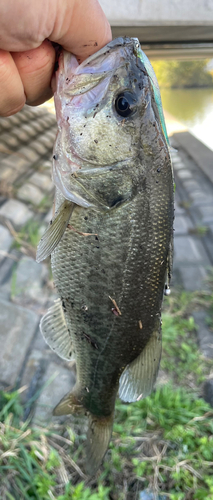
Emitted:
<point x="194" y="108"/>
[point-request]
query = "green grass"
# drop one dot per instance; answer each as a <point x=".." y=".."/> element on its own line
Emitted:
<point x="164" y="442"/>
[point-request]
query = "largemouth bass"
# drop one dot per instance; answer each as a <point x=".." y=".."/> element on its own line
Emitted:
<point x="110" y="238"/>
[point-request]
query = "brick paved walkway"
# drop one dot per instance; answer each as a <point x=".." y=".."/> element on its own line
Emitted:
<point x="26" y="194"/>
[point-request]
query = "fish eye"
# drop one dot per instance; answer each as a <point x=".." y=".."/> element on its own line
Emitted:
<point x="125" y="104"/>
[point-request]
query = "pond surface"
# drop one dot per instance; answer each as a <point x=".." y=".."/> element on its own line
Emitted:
<point x="194" y="108"/>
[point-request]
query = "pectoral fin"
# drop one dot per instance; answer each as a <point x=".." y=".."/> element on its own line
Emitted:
<point x="138" y="378"/>
<point x="55" y="231"/>
<point x="55" y="332"/>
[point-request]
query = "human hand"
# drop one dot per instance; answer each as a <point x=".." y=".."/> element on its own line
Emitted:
<point x="27" y="56"/>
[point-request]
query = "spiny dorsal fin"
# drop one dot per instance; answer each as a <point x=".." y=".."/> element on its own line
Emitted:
<point x="98" y="438"/>
<point x="138" y="378"/>
<point x="55" y="231"/>
<point x="55" y="332"/>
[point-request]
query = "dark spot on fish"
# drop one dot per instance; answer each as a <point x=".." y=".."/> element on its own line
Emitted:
<point x="102" y="270"/>
<point x="95" y="44"/>
<point x="81" y="133"/>
<point x="63" y="305"/>
<point x="96" y="238"/>
<point x="97" y="247"/>
<point x="68" y="118"/>
<point x="85" y="218"/>
<point x="51" y="222"/>
<point x="84" y="308"/>
<point x="158" y="169"/>
<point x="157" y="182"/>
<point x="55" y="157"/>
<point x="96" y="141"/>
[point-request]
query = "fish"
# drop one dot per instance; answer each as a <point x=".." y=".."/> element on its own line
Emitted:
<point x="110" y="238"/>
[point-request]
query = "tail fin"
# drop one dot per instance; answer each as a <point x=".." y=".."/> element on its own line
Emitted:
<point x="98" y="438"/>
<point x="69" y="404"/>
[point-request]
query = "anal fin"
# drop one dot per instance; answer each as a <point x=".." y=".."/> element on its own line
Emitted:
<point x="55" y="231"/>
<point x="55" y="332"/>
<point x="138" y="378"/>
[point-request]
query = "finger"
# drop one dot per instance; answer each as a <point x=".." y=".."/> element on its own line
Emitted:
<point x="12" y="96"/>
<point x="36" y="68"/>
<point x="83" y="29"/>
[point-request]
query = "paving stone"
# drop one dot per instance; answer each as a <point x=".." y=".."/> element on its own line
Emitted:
<point x="7" y="266"/>
<point x="39" y="147"/>
<point x="30" y="280"/>
<point x="182" y="224"/>
<point x="184" y="174"/>
<point x="46" y="141"/>
<point x="190" y="250"/>
<point x="193" y="277"/>
<point x="61" y="382"/>
<point x="210" y="229"/>
<point x="10" y="140"/>
<point x="205" y="336"/>
<point x="16" y="211"/>
<point x="28" y="192"/>
<point x="47" y="164"/>
<point x="15" y="119"/>
<point x="31" y="373"/>
<point x="38" y="126"/>
<point x="206" y="213"/>
<point x="17" y="328"/>
<point x="200" y="197"/>
<point x="42" y="181"/>
<point x="190" y="185"/>
<point x="18" y="163"/>
<point x="28" y="153"/>
<point x="5" y="123"/>
<point x="8" y="174"/>
<point x="29" y="129"/>
<point x="178" y="210"/>
<point x="21" y="134"/>
<point x="5" y="291"/>
<point x="178" y="164"/>
<point x="5" y="241"/>
<point x="51" y="135"/>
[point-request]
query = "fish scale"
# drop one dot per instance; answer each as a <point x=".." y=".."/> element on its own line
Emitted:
<point x="110" y="237"/>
